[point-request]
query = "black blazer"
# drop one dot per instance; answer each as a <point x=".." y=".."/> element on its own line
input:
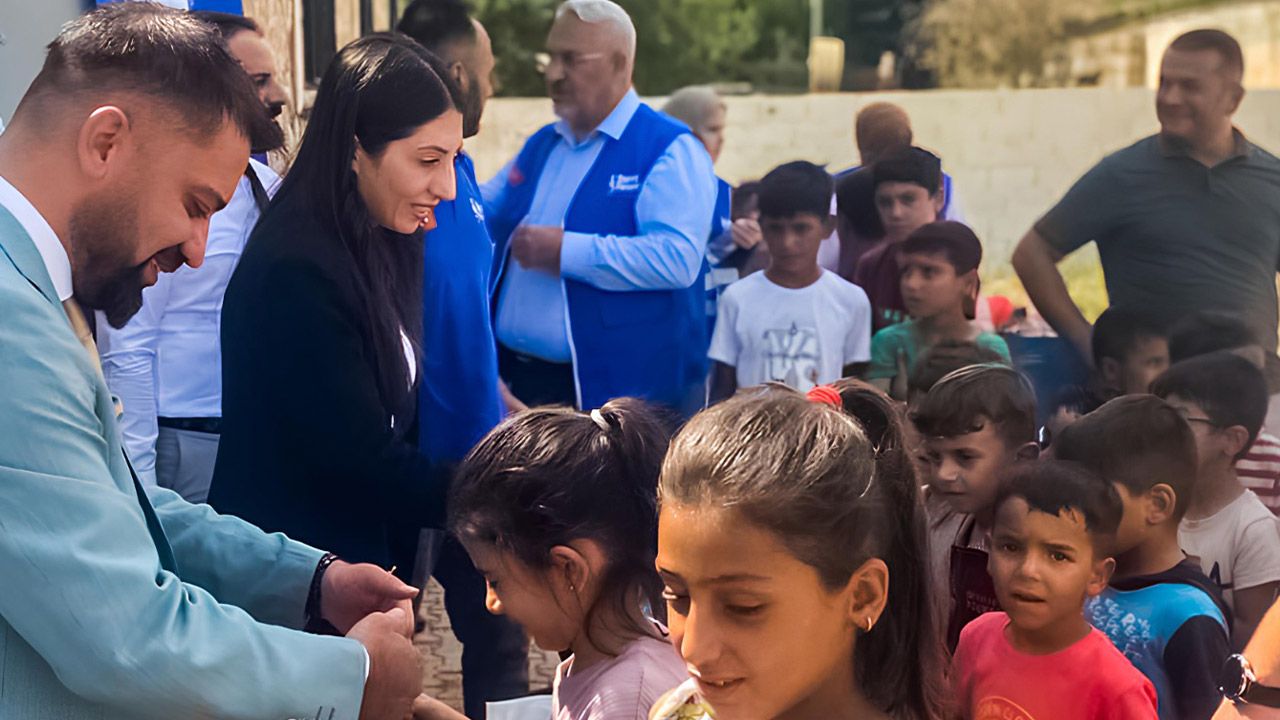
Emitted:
<point x="307" y="445"/>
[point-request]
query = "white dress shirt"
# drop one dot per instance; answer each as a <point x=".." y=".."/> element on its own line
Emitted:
<point x="50" y="248"/>
<point x="167" y="361"/>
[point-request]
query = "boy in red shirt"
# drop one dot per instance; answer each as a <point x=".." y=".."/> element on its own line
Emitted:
<point x="1040" y="659"/>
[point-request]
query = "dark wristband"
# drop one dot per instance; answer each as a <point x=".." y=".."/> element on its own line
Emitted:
<point x="312" y="611"/>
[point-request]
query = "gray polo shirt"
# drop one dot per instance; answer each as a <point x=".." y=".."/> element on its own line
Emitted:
<point x="1176" y="237"/>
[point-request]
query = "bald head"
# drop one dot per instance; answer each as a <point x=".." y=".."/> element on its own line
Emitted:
<point x="880" y="129"/>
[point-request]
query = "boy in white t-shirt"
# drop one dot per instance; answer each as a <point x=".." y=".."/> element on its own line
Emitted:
<point x="794" y="323"/>
<point x="1227" y="529"/>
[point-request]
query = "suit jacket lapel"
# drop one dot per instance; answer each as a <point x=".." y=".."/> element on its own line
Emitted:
<point x="21" y="249"/>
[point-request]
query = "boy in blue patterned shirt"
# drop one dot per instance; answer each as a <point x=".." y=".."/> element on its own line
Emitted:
<point x="1159" y="609"/>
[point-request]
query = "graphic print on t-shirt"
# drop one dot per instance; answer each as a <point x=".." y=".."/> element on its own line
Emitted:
<point x="998" y="708"/>
<point x="792" y="355"/>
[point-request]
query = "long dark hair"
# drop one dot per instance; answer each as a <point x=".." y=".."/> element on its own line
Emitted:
<point x="377" y="90"/>
<point x="549" y="476"/>
<point x="838" y="488"/>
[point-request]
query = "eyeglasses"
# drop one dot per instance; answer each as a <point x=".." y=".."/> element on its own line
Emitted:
<point x="569" y="60"/>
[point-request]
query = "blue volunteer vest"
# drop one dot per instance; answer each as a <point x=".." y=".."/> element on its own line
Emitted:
<point x="650" y="344"/>
<point x="458" y="401"/>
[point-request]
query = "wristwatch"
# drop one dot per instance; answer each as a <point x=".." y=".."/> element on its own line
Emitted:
<point x="1239" y="684"/>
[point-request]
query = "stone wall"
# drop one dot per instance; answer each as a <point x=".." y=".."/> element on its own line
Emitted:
<point x="1012" y="153"/>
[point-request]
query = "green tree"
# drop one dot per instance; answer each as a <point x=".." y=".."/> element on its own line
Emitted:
<point x="679" y="42"/>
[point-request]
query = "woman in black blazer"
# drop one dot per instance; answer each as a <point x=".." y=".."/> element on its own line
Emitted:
<point x="322" y="319"/>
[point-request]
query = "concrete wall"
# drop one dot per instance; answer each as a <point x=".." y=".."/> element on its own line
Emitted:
<point x="1012" y="153"/>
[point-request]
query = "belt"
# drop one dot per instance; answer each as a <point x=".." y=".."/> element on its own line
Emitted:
<point x="210" y="425"/>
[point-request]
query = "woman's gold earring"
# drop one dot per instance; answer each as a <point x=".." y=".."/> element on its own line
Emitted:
<point x="870" y="623"/>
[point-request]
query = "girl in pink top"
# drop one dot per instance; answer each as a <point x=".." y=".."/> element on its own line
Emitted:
<point x="557" y="509"/>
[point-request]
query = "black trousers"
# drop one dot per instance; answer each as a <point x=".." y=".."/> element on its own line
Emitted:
<point x="537" y="382"/>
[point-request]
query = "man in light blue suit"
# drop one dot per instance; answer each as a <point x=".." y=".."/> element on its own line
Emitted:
<point x="115" y="604"/>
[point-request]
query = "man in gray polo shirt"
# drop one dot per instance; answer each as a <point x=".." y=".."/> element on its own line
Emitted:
<point x="1185" y="220"/>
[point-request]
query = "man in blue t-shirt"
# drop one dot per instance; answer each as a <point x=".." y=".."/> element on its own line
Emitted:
<point x="459" y="400"/>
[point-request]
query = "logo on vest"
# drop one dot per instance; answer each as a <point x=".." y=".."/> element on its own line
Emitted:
<point x="623" y="184"/>
<point x="478" y="209"/>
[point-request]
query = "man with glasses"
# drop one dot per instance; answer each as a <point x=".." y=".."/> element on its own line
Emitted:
<point x="601" y="226"/>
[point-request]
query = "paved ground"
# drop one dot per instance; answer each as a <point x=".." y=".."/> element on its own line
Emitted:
<point x="442" y="654"/>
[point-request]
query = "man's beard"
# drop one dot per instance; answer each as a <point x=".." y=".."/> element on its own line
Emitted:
<point x="103" y="233"/>
<point x="472" y="108"/>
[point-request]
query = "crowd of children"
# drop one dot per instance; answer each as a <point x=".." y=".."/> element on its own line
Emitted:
<point x="918" y="543"/>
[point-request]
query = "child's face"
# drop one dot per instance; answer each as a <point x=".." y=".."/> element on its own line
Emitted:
<point x="905" y="207"/>
<point x="1043" y="566"/>
<point x="793" y="241"/>
<point x="964" y="470"/>
<point x="755" y="626"/>
<point x="930" y="285"/>
<point x="1213" y="446"/>
<point x="528" y="596"/>
<point x="1145" y="359"/>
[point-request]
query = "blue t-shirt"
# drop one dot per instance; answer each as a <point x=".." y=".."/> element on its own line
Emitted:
<point x="458" y="400"/>
<point x="1173" y="627"/>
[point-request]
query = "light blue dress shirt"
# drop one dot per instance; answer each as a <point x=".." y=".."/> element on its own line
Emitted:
<point x="671" y="211"/>
<point x="167" y="360"/>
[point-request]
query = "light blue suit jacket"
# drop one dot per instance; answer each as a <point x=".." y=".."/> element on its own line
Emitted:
<point x="92" y="626"/>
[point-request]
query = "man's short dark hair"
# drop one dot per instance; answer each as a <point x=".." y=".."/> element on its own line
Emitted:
<point x="1229" y="389"/>
<point x="796" y="188"/>
<point x="856" y="202"/>
<point x="228" y="24"/>
<point x="436" y="24"/>
<point x="910" y="165"/>
<point x="964" y="400"/>
<point x="1055" y="486"/>
<point x="166" y="55"/>
<point x="1137" y="441"/>
<point x="953" y="240"/>
<point x="1208" y="331"/>
<point x="945" y="358"/>
<point x="1118" y="330"/>
<point x="1216" y="40"/>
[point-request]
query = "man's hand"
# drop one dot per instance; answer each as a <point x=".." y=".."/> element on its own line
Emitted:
<point x="395" y="666"/>
<point x="537" y="247"/>
<point x="428" y="708"/>
<point x="350" y="592"/>
<point x="746" y="232"/>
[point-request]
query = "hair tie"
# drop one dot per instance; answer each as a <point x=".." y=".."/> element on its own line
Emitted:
<point x="598" y="418"/>
<point x="825" y="394"/>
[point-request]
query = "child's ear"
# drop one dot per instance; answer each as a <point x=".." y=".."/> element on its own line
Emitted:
<point x="868" y="590"/>
<point x="572" y="567"/>
<point x="1161" y="501"/>
<point x="1110" y="372"/>
<point x="1101" y="575"/>
<point x="1236" y="439"/>
<point x="1029" y="451"/>
<point x="939" y="201"/>
<point x="829" y="226"/>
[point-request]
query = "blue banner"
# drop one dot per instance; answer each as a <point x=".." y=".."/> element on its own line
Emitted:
<point x="235" y="7"/>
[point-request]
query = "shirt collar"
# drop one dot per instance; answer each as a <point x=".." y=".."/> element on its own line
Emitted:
<point x="613" y="125"/>
<point x="1243" y="148"/>
<point x="46" y="241"/>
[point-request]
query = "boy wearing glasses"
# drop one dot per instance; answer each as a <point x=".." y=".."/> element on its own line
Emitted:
<point x="1227" y="529"/>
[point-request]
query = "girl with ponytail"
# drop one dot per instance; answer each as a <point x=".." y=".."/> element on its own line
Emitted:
<point x="558" y="510"/>
<point x="791" y="544"/>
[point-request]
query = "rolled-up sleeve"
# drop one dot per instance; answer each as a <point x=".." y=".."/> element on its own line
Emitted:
<point x="673" y="214"/>
<point x="1085" y="213"/>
